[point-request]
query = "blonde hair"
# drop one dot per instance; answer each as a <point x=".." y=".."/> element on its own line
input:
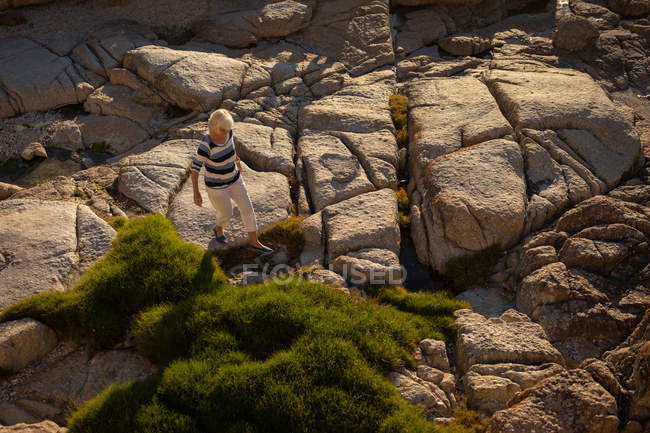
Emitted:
<point x="220" y="119"/>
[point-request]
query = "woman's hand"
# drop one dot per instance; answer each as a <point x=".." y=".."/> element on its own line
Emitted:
<point x="198" y="200"/>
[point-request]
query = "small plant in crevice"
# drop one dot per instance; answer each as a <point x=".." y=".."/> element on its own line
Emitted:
<point x="117" y="222"/>
<point x="399" y="110"/>
<point x="99" y="147"/>
<point x="472" y="269"/>
<point x="403" y="210"/>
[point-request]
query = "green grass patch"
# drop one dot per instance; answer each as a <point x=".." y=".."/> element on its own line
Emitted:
<point x="403" y="211"/>
<point x="290" y="356"/>
<point x="99" y="147"/>
<point x="118" y="222"/>
<point x="472" y="269"/>
<point x="399" y="110"/>
<point x="287" y="233"/>
<point x="148" y="264"/>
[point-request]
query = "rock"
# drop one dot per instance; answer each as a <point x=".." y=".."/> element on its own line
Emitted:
<point x="434" y="354"/>
<point x="489" y="387"/>
<point x="115" y="100"/>
<point x="421" y="28"/>
<point x="75" y="377"/>
<point x="629" y="8"/>
<point x="356" y="33"/>
<point x="465" y="45"/>
<point x="510" y="338"/>
<point x="23" y="342"/>
<point x="33" y="150"/>
<point x="366" y="221"/>
<point x="360" y="106"/>
<point x="27" y="86"/>
<point x="446" y="114"/>
<point x="487" y="301"/>
<point x="369" y="266"/>
<point x="331" y="278"/>
<point x="283" y="18"/>
<point x="41" y="427"/>
<point x="535" y="258"/>
<point x="66" y="134"/>
<point x="192" y="80"/>
<point x="574" y="33"/>
<point x="7" y="190"/>
<point x="471" y="207"/>
<point x="333" y="173"/>
<point x="269" y="192"/>
<point x="57" y="242"/>
<point x="153" y="177"/>
<point x="117" y="133"/>
<point x="567" y="402"/>
<point x="420" y="392"/>
<point x="584" y="116"/>
<point x="265" y="148"/>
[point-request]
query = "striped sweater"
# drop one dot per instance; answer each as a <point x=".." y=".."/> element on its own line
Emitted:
<point x="219" y="161"/>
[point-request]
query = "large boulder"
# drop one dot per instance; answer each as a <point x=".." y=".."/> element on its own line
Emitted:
<point x="269" y="192"/>
<point x="474" y="198"/>
<point x="28" y="86"/>
<point x="192" y="80"/>
<point x="56" y="242"/>
<point x="511" y="338"/>
<point x="117" y="133"/>
<point x="569" y="402"/>
<point x="153" y="177"/>
<point x="578" y="109"/>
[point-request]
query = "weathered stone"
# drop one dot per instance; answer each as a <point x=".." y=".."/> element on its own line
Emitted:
<point x="471" y="207"/>
<point x="465" y="45"/>
<point x="120" y="101"/>
<point x="369" y="266"/>
<point x="574" y="33"/>
<point x="488" y="301"/>
<point x="192" y="80"/>
<point x="283" y="18"/>
<point x="489" y="387"/>
<point x="33" y="150"/>
<point x="153" y="177"/>
<point x="510" y="338"/>
<point x="265" y="148"/>
<point x="447" y="114"/>
<point x="27" y="86"/>
<point x="534" y="258"/>
<point x="55" y="258"/>
<point x="434" y="353"/>
<point x="76" y="378"/>
<point x="23" y="342"/>
<point x="269" y="192"/>
<point x="7" y="190"/>
<point x="419" y="392"/>
<point x="333" y="173"/>
<point x="118" y="133"/>
<point x="568" y="402"/>
<point x="366" y="221"/>
<point x="41" y="427"/>
<point x="574" y="104"/>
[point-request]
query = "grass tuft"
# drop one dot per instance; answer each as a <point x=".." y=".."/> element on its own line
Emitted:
<point x="99" y="147"/>
<point x="403" y="212"/>
<point x="472" y="269"/>
<point x="287" y="233"/>
<point x="118" y="222"/>
<point x="399" y="109"/>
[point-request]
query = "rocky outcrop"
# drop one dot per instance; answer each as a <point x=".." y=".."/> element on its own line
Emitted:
<point x="431" y="385"/>
<point x="66" y="378"/>
<point x="567" y="402"/>
<point x="265" y="148"/>
<point x="56" y="243"/>
<point x="583" y="280"/>
<point x="192" y="80"/>
<point x="27" y="86"/>
<point x="153" y="177"/>
<point x="24" y="341"/>
<point x="41" y="427"/>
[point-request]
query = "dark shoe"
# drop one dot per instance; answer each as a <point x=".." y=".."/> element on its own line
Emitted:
<point x="223" y="239"/>
<point x="260" y="249"/>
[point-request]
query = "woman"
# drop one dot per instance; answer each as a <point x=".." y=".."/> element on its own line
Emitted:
<point x="223" y="178"/>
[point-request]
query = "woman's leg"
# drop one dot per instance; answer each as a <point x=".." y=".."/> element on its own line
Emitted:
<point x="220" y="199"/>
<point x="240" y="197"/>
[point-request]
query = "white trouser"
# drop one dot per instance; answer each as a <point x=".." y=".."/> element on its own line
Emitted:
<point x="220" y="199"/>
